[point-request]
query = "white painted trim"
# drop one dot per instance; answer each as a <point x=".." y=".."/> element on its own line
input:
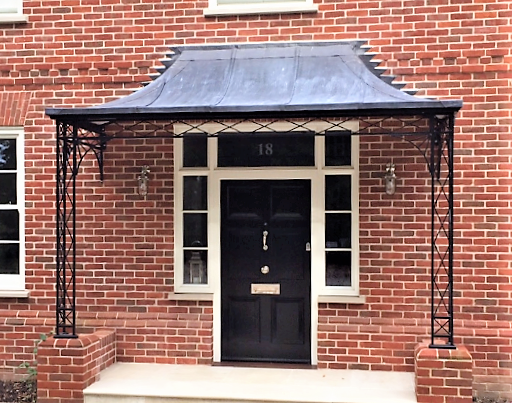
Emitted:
<point x="255" y="174"/>
<point x="179" y="286"/>
<point x="319" y="292"/>
<point x="260" y="8"/>
<point x="353" y="290"/>
<point x="16" y="282"/>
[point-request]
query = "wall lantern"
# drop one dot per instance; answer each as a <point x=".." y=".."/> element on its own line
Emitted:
<point x="143" y="181"/>
<point x="390" y="179"/>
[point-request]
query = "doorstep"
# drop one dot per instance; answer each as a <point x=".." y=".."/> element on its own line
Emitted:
<point x="165" y="383"/>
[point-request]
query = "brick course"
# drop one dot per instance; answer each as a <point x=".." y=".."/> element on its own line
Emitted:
<point x="74" y="53"/>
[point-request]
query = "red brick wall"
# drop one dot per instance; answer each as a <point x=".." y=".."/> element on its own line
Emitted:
<point x="443" y="375"/>
<point x="65" y="367"/>
<point x="19" y="335"/>
<point x="180" y="333"/>
<point x="76" y="53"/>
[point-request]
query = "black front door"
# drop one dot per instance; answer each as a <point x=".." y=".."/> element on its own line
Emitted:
<point x="265" y="270"/>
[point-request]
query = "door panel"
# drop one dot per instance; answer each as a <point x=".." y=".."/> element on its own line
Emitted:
<point x="249" y="310"/>
<point x="242" y="258"/>
<point x="287" y="239"/>
<point x="265" y="223"/>
<point x="288" y="321"/>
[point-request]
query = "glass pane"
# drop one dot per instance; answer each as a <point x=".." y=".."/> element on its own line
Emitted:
<point x="337" y="230"/>
<point x="258" y="150"/>
<point x="195" y="151"/>
<point x="8" y="188"/>
<point x="338" y="148"/>
<point x="9" y="225"/>
<point x="194" y="229"/>
<point x="7" y="154"/>
<point x="337" y="192"/>
<point x="338" y="268"/>
<point x="195" y="193"/>
<point x="195" y="270"/>
<point x="9" y="258"/>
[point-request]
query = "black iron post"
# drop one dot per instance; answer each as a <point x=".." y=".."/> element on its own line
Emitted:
<point x="65" y="264"/>
<point x="441" y="171"/>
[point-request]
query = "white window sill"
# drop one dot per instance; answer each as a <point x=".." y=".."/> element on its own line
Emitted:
<point x="190" y="297"/>
<point x="265" y="8"/>
<point x="342" y="299"/>
<point x="10" y="18"/>
<point x="14" y="294"/>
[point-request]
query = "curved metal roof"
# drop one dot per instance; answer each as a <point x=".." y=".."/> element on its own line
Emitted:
<point x="239" y="79"/>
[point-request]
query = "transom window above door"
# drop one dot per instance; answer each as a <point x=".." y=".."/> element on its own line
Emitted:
<point x="328" y="159"/>
<point x="266" y="150"/>
<point x="281" y="149"/>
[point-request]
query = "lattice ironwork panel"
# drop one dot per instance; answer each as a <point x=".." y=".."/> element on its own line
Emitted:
<point x="441" y="168"/>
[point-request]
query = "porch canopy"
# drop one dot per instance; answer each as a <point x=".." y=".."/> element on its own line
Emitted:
<point x="288" y="81"/>
<point x="202" y="82"/>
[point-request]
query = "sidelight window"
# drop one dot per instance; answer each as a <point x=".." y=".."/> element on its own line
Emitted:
<point x="195" y="229"/>
<point x="340" y="213"/>
<point x="338" y="230"/>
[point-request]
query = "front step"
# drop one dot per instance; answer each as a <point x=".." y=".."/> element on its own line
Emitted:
<point x="162" y="383"/>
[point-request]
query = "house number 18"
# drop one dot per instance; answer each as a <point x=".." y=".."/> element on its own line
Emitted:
<point x="265" y="149"/>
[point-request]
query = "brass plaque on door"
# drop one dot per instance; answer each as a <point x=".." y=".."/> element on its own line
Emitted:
<point x="272" y="289"/>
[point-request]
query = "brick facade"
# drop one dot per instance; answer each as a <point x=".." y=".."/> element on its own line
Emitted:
<point x="74" y="53"/>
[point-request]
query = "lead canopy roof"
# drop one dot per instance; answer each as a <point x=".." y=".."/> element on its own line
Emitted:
<point x="243" y="80"/>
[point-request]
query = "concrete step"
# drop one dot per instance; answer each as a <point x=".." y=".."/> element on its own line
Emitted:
<point x="162" y="383"/>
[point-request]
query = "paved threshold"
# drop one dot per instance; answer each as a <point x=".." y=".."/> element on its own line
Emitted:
<point x="161" y="383"/>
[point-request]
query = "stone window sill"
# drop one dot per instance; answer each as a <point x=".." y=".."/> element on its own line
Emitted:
<point x="13" y="18"/>
<point x="190" y="297"/>
<point x="342" y="299"/>
<point x="14" y="294"/>
<point x="263" y="8"/>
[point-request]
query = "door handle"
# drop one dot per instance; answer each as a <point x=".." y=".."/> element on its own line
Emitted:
<point x="265" y="234"/>
<point x="265" y="269"/>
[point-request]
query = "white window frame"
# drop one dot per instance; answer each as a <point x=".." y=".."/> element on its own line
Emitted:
<point x="242" y="7"/>
<point x="12" y="11"/>
<point x="319" y="291"/>
<point x="13" y="285"/>
<point x="315" y="173"/>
